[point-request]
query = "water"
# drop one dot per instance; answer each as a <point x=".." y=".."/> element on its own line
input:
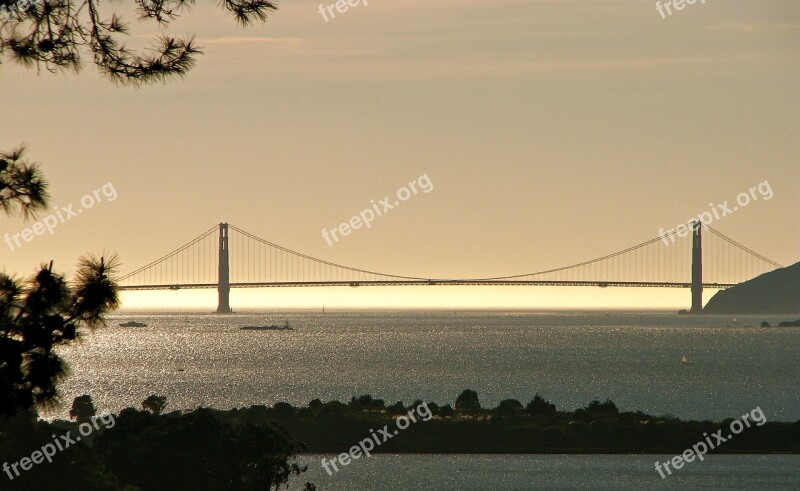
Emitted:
<point x="569" y="357"/>
<point x="578" y="472"/>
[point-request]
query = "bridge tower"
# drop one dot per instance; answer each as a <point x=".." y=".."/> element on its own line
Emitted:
<point x="697" y="267"/>
<point x="224" y="282"/>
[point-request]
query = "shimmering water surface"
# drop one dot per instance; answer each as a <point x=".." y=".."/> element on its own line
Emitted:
<point x="569" y="357"/>
<point x="578" y="472"/>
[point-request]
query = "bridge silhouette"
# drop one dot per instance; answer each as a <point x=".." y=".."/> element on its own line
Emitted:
<point x="226" y="257"/>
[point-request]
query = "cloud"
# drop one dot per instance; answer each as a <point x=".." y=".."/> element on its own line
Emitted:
<point x="743" y="27"/>
<point x="254" y="40"/>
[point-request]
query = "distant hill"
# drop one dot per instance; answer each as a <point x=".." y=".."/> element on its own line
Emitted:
<point x="776" y="292"/>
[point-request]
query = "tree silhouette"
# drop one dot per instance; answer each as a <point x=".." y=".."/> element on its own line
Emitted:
<point x="468" y="401"/>
<point x="607" y="408"/>
<point x="154" y="403"/>
<point x="198" y="451"/>
<point x="46" y="310"/>
<point x="82" y="409"/>
<point x="508" y="407"/>
<point x="23" y="189"/>
<point x="40" y="314"/>
<point x="53" y="34"/>
<point x="541" y="407"/>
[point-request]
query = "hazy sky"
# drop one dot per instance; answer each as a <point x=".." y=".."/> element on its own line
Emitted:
<point x="553" y="132"/>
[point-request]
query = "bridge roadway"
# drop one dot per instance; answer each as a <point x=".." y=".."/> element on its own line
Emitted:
<point x="431" y="282"/>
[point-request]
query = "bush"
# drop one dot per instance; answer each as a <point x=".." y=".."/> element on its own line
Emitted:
<point x="366" y="402"/>
<point x="283" y="410"/>
<point x="447" y="411"/>
<point x="82" y="409"/>
<point x="468" y="402"/>
<point x="195" y="451"/>
<point x="540" y="407"/>
<point x="155" y="404"/>
<point x="396" y="408"/>
<point x="508" y="407"/>
<point x="607" y="408"/>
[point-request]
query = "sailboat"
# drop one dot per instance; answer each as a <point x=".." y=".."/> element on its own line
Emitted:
<point x="684" y="360"/>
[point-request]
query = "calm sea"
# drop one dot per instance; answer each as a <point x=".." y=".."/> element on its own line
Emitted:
<point x="571" y="358"/>
<point x="555" y="472"/>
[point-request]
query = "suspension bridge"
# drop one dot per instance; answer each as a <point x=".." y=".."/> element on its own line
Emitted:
<point x="226" y="257"/>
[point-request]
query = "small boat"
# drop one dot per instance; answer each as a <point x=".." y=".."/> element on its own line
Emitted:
<point x="684" y="360"/>
<point x="132" y="324"/>
<point x="272" y="327"/>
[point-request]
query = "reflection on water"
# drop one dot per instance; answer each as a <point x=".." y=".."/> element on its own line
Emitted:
<point x="571" y="358"/>
<point x="526" y="472"/>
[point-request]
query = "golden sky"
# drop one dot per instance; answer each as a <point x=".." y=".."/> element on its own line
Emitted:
<point x="553" y="132"/>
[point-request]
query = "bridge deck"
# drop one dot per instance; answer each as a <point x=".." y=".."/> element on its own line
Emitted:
<point x="289" y="284"/>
